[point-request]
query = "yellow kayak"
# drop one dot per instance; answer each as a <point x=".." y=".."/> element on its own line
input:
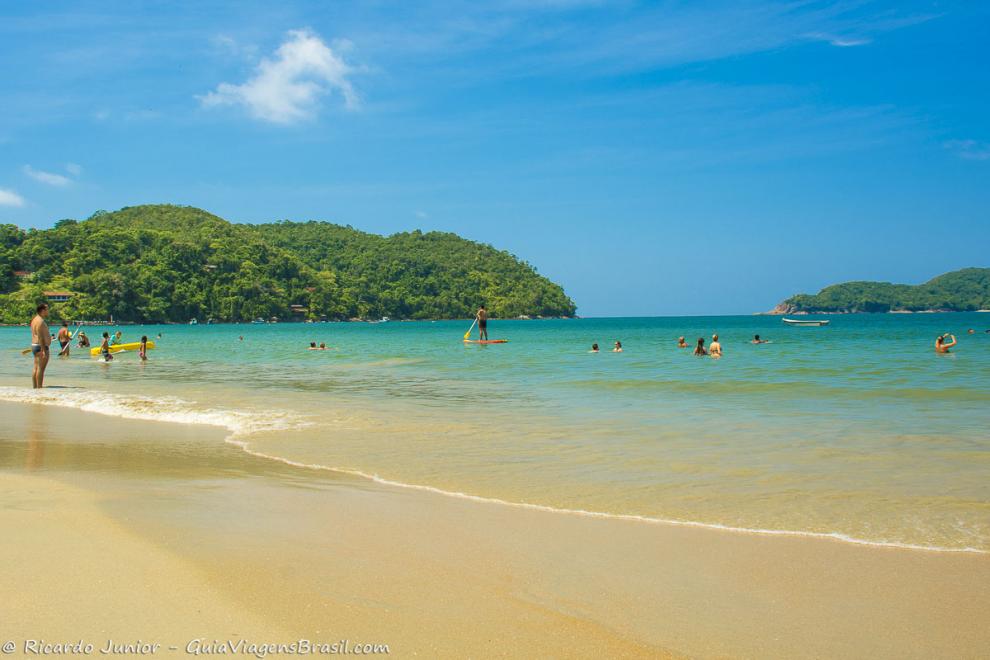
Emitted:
<point x="117" y="348"/>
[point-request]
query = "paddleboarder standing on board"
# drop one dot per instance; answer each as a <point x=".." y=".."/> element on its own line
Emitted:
<point x="482" y="317"/>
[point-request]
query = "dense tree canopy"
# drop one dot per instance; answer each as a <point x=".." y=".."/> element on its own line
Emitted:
<point x="169" y="263"/>
<point x="962" y="290"/>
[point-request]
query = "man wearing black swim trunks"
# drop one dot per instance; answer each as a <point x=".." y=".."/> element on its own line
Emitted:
<point x="64" y="337"/>
<point x="41" y="339"/>
<point x="482" y="324"/>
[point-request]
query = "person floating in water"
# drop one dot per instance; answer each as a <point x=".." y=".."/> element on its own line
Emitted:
<point x="482" y="317"/>
<point x="618" y="347"/>
<point x="971" y="331"/>
<point x="323" y="346"/>
<point x="757" y="340"/>
<point x="41" y="340"/>
<point x="715" y="348"/>
<point x="681" y="343"/>
<point x="105" y="348"/>
<point x="941" y="346"/>
<point x="312" y="346"/>
<point x="594" y="348"/>
<point x="64" y="337"/>
<point x="143" y="350"/>
<point x="700" y="348"/>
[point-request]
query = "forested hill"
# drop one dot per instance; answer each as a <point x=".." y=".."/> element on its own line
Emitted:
<point x="171" y="263"/>
<point x="959" y="291"/>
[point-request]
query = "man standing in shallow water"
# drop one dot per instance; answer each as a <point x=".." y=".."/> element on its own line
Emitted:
<point x="41" y="340"/>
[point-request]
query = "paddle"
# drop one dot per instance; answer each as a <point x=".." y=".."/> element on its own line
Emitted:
<point x="466" y="334"/>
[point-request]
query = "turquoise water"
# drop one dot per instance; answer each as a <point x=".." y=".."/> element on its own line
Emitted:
<point x="857" y="430"/>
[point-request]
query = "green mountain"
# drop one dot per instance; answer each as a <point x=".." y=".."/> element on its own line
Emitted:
<point x="161" y="263"/>
<point x="959" y="291"/>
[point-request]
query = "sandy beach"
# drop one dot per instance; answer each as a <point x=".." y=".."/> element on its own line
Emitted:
<point x="162" y="532"/>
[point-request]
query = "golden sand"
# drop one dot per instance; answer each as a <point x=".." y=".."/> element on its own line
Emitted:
<point x="162" y="533"/>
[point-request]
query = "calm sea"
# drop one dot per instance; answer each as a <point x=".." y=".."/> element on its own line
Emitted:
<point x="857" y="430"/>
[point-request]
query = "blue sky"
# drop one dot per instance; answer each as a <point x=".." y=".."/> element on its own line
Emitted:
<point x="656" y="158"/>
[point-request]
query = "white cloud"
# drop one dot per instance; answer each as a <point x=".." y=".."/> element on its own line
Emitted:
<point x="422" y="215"/>
<point x="287" y="88"/>
<point x="970" y="149"/>
<point x="73" y="169"/>
<point x="47" y="177"/>
<point x="10" y="198"/>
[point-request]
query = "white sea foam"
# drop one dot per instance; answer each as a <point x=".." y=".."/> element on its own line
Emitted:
<point x="155" y="409"/>
<point x="244" y="423"/>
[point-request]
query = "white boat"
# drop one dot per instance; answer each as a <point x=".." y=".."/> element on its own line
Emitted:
<point x="804" y="322"/>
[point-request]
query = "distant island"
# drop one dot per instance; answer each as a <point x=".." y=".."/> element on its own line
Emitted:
<point x="963" y="290"/>
<point x="165" y="263"/>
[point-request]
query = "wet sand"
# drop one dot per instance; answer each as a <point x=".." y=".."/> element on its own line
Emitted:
<point x="161" y="531"/>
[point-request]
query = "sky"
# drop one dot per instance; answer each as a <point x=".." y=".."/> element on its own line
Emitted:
<point x="654" y="158"/>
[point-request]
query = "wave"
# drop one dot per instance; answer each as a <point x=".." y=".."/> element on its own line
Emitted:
<point x="156" y="409"/>
<point x="243" y="423"/>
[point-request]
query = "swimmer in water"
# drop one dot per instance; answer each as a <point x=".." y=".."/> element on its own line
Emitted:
<point x="312" y="346"/>
<point x="594" y="348"/>
<point x="715" y="348"/>
<point x="83" y="339"/>
<point x="64" y="337"/>
<point x="757" y="340"/>
<point x="105" y="348"/>
<point x="681" y="343"/>
<point x="116" y="338"/>
<point x="700" y="348"/>
<point x="941" y="346"/>
<point x="323" y="346"/>
<point x="143" y="350"/>
<point x="618" y="347"/>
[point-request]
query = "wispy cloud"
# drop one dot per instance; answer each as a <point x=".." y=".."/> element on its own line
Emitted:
<point x="969" y="149"/>
<point x="49" y="178"/>
<point x="10" y="198"/>
<point x="288" y="87"/>
<point x="422" y="215"/>
<point x="73" y="169"/>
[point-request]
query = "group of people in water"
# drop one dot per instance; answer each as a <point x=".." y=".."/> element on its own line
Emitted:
<point x="41" y="340"/>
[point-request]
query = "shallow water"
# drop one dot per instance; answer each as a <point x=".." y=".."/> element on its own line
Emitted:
<point x="856" y="430"/>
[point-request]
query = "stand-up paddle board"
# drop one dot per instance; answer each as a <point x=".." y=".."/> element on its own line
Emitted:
<point x="117" y="348"/>
<point x="486" y="341"/>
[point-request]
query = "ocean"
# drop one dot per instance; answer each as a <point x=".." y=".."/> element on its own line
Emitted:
<point x="855" y="431"/>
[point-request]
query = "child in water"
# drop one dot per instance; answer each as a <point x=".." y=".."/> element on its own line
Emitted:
<point x="143" y="350"/>
<point x="105" y="348"/>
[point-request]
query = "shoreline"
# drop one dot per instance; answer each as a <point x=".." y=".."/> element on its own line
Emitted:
<point x="427" y="573"/>
<point x="239" y="436"/>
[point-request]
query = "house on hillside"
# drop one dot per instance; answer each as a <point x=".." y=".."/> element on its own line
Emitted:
<point x="57" y="296"/>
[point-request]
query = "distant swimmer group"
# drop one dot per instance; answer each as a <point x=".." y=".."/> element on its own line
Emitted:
<point x="616" y="347"/>
<point x="314" y="347"/>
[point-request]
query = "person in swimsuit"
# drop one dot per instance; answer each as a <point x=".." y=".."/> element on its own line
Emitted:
<point x="143" y="350"/>
<point x="594" y="348"/>
<point x="105" y="348"/>
<point x="618" y="347"/>
<point x="64" y="337"/>
<point x="41" y="340"/>
<point x="681" y="343"/>
<point x="83" y="339"/>
<point x="757" y="340"/>
<point x="700" y="348"/>
<point x="482" y="317"/>
<point x="715" y="348"/>
<point x="941" y="346"/>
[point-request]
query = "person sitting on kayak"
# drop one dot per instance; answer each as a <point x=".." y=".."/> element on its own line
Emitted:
<point x="143" y="350"/>
<point x="482" y="317"/>
<point x="116" y="338"/>
<point x="700" y="348"/>
<point x="105" y="347"/>
<point x="941" y="346"/>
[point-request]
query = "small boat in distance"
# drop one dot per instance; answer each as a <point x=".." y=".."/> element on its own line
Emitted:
<point x="804" y="322"/>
